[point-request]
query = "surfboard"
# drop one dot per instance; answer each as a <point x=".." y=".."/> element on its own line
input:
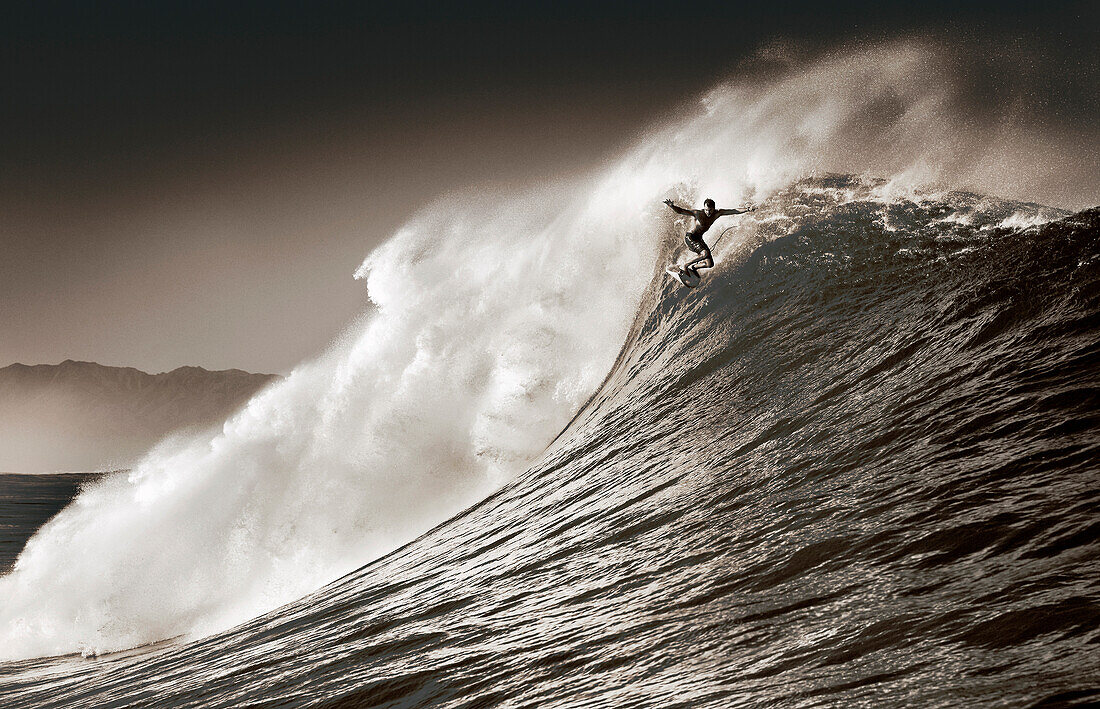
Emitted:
<point x="686" y="280"/>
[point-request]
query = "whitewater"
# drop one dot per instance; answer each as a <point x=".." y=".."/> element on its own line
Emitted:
<point x="856" y="466"/>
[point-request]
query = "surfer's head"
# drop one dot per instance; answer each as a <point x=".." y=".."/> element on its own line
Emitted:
<point x="708" y="206"/>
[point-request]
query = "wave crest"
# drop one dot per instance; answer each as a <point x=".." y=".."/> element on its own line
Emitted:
<point x="495" y="316"/>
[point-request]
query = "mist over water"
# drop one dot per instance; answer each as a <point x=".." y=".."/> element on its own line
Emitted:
<point x="495" y="316"/>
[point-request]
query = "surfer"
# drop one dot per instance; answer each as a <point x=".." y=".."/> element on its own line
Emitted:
<point x="694" y="237"/>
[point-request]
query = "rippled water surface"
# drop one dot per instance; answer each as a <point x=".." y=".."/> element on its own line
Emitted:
<point x="858" y="467"/>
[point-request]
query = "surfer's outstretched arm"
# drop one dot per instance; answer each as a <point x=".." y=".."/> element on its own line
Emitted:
<point x="679" y="210"/>
<point x="728" y="212"/>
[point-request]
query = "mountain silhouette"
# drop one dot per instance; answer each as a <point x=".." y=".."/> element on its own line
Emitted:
<point x="84" y="416"/>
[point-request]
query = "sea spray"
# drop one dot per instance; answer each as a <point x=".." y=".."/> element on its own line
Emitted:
<point x="494" y="317"/>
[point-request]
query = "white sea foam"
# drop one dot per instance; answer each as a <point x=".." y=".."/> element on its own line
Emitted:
<point x="1025" y="219"/>
<point x="494" y="317"/>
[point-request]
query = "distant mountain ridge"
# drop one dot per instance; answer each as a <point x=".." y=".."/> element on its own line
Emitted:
<point x="84" y="416"/>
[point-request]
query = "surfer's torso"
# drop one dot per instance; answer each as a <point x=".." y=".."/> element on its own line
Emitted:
<point x="703" y="222"/>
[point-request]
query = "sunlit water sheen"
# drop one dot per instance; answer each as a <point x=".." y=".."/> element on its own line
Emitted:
<point x="857" y="467"/>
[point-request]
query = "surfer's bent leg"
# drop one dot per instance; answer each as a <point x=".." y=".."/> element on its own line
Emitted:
<point x="704" y="261"/>
<point x="700" y="247"/>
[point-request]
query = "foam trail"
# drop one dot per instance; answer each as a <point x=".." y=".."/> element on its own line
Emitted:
<point x="496" y="317"/>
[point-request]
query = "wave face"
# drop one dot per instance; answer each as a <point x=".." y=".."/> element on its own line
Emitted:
<point x="855" y="465"/>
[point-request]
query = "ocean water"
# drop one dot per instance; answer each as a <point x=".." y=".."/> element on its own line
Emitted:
<point x="857" y="467"/>
<point x="27" y="502"/>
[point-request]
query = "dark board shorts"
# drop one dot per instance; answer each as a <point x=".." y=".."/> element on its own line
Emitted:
<point x="695" y="243"/>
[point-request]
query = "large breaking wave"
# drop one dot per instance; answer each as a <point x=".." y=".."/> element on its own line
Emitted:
<point x="495" y="317"/>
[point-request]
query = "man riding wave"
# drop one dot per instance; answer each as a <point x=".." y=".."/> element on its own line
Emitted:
<point x="704" y="218"/>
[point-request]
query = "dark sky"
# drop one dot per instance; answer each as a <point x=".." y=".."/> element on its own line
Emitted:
<point x="194" y="182"/>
